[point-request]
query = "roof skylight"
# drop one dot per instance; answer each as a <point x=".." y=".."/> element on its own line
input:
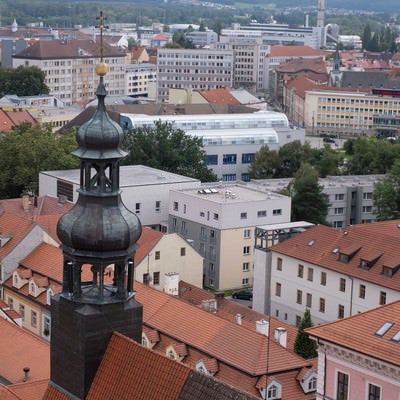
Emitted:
<point x="384" y="328"/>
<point x="396" y="337"/>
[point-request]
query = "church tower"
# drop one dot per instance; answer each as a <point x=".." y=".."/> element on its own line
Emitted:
<point x="98" y="237"/>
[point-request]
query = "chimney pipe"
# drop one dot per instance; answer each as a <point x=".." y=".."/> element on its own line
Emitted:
<point x="239" y="319"/>
<point x="26" y="373"/>
<point x="262" y="326"/>
<point x="281" y="336"/>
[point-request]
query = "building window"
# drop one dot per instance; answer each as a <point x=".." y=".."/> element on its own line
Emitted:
<point x="243" y="215"/>
<point x="65" y="189"/>
<point x="298" y="320"/>
<point x="229" y="177"/>
<point x="22" y="311"/>
<point x="11" y="303"/>
<point x="156" y="278"/>
<point x="310" y="274"/>
<point x="183" y="251"/>
<point x="367" y="209"/>
<point x="341" y="311"/>
<point x="342" y="386"/>
<point x="339" y="196"/>
<point x="212" y="253"/>
<point x="211" y="267"/>
<point x="321" y="305"/>
<point x="202" y="249"/>
<point x="367" y="196"/>
<point x="176" y="206"/>
<point x="229" y="159"/>
<point x="374" y="392"/>
<point x="216" y="216"/>
<point x="210" y="282"/>
<point x="157" y="255"/>
<point x="300" y="271"/>
<point x="246" y="267"/>
<point x="245" y="281"/>
<point x="309" y="300"/>
<point x="277" y="211"/>
<point x="137" y="208"/>
<point x="361" y="293"/>
<point x="247" y="158"/>
<point x="338" y="210"/>
<point x="337" y="224"/>
<point x="342" y="285"/>
<point x="382" y="298"/>
<point x="279" y="264"/>
<point x="46" y="326"/>
<point x="246" y="250"/>
<point x="278" y="289"/>
<point x="212" y="159"/>
<point x="261" y="213"/>
<point x="34" y="319"/>
<point x="323" y="278"/>
<point x="158" y="206"/>
<point x="299" y="299"/>
<point x="247" y="233"/>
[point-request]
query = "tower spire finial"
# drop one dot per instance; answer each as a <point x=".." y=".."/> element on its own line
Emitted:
<point x="101" y="18"/>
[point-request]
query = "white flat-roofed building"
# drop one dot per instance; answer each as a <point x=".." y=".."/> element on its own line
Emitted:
<point x="350" y="197"/>
<point x="230" y="140"/>
<point x="144" y="190"/>
<point x="219" y="220"/>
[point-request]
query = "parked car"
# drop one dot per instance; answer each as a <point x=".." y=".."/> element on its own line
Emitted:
<point x="328" y="140"/>
<point x="244" y="294"/>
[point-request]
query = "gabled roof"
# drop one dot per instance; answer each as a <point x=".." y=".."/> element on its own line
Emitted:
<point x="302" y="83"/>
<point x="5" y="122"/>
<point x="129" y="370"/>
<point x="296" y="65"/>
<point x="295" y="51"/>
<point x="221" y="95"/>
<point x="62" y="49"/>
<point x="360" y="333"/>
<point x="20" y="116"/>
<point x="17" y="228"/>
<point x="148" y="239"/>
<point x="322" y="245"/>
<point x="22" y="349"/>
<point x="221" y="339"/>
<point x="29" y="390"/>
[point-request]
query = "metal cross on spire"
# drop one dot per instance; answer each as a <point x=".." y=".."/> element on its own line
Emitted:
<point x="101" y="18"/>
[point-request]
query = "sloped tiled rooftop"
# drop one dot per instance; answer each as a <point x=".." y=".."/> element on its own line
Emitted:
<point x="359" y="333"/>
<point x="322" y="245"/>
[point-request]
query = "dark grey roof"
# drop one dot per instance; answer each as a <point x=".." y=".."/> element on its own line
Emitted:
<point x="369" y="80"/>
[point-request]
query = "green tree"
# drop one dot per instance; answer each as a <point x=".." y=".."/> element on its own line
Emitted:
<point x="366" y="37"/>
<point x="26" y="151"/>
<point x="132" y="42"/>
<point x="265" y="164"/>
<point x="180" y="38"/>
<point x="168" y="149"/>
<point x="291" y="156"/>
<point x="22" y="81"/>
<point x="386" y="195"/>
<point x="309" y="203"/>
<point x="303" y="345"/>
<point x="327" y="162"/>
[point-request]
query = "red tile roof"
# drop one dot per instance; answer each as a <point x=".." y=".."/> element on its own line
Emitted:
<point x="19" y="117"/>
<point x="146" y="242"/>
<point x="322" y="245"/>
<point x="30" y="390"/>
<point x="359" y="333"/>
<point x="22" y="349"/>
<point x="302" y="83"/>
<point x="5" y="122"/>
<point x="296" y="65"/>
<point x="295" y="51"/>
<point x="16" y="227"/>
<point x="221" y="95"/>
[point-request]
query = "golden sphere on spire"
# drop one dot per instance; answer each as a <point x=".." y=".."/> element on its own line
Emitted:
<point x="101" y="69"/>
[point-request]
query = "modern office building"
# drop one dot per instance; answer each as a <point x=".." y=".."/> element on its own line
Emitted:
<point x="219" y="221"/>
<point x="145" y="190"/>
<point x="350" y="197"/>
<point x="141" y="80"/>
<point x="193" y="69"/>
<point x="230" y="140"/>
<point x="353" y="112"/>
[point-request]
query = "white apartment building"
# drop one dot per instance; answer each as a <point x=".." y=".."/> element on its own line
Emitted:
<point x="144" y="190"/>
<point x="249" y="59"/>
<point x="334" y="273"/>
<point x="141" y="80"/>
<point x="70" y="68"/>
<point x="350" y="197"/>
<point x="230" y="140"/>
<point x="219" y="221"/>
<point x="352" y="112"/>
<point x="193" y="69"/>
